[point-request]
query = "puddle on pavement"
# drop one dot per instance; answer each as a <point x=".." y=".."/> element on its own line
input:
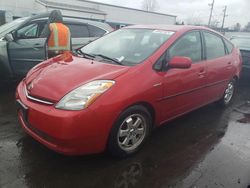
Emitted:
<point x="245" y="110"/>
<point x="245" y="119"/>
<point x="205" y="148"/>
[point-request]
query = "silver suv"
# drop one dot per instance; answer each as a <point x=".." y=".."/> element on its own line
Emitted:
<point x="22" y="47"/>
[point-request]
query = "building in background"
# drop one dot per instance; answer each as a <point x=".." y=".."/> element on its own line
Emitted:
<point x="116" y="16"/>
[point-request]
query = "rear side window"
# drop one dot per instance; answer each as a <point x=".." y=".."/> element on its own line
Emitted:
<point x="95" y="31"/>
<point x="214" y="46"/>
<point x="78" y="30"/>
<point x="229" y="46"/>
<point x="188" y="46"/>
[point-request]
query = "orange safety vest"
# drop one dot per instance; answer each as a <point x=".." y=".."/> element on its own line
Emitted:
<point x="59" y="39"/>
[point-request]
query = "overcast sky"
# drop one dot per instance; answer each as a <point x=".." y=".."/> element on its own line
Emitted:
<point x="196" y="10"/>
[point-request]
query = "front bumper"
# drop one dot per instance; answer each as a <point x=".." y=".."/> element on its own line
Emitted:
<point x="66" y="132"/>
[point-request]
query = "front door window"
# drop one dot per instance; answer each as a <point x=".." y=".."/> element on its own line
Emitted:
<point x="188" y="46"/>
<point x="29" y="31"/>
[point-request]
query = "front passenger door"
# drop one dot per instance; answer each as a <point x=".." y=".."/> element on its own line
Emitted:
<point x="184" y="89"/>
<point x="28" y="49"/>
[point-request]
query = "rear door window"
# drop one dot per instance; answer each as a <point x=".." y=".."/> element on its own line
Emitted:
<point x="95" y="31"/>
<point x="229" y="46"/>
<point x="78" y="30"/>
<point x="215" y="47"/>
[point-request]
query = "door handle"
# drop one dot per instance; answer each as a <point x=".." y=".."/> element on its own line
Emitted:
<point x="201" y="76"/>
<point x="37" y="44"/>
<point x="202" y="73"/>
<point x="229" y="65"/>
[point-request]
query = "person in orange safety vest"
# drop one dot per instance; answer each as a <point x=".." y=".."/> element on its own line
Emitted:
<point x="58" y="35"/>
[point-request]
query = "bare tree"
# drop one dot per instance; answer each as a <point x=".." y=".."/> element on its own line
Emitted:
<point x="194" y="20"/>
<point x="214" y="23"/>
<point x="247" y="27"/>
<point x="149" y="5"/>
<point x="237" y="27"/>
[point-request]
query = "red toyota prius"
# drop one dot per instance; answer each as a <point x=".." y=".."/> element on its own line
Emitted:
<point x="112" y="92"/>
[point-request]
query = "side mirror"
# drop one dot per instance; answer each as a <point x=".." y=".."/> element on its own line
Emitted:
<point x="9" y="37"/>
<point x="178" y="62"/>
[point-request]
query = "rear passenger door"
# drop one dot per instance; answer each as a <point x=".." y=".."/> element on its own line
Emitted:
<point x="219" y="65"/>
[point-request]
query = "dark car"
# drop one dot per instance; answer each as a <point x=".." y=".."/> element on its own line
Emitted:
<point x="243" y="43"/>
<point x="21" y="46"/>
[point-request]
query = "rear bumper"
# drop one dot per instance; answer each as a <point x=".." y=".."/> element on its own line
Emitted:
<point x="66" y="132"/>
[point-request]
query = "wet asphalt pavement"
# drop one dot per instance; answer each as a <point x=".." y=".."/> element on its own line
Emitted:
<point x="209" y="147"/>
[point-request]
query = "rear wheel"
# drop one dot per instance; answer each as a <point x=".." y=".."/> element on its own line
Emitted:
<point x="130" y="131"/>
<point x="228" y="94"/>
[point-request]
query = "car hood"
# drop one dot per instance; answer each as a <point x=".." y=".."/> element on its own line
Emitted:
<point x="54" y="78"/>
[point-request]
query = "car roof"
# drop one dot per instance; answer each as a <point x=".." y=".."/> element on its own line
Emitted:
<point x="170" y="27"/>
<point x="240" y="36"/>
<point x="101" y="25"/>
<point x="95" y="23"/>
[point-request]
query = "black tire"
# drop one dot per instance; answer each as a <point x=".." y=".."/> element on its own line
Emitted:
<point x="225" y="101"/>
<point x="127" y="118"/>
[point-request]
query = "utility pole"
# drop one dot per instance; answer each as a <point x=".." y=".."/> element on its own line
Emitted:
<point x="224" y="16"/>
<point x="211" y="12"/>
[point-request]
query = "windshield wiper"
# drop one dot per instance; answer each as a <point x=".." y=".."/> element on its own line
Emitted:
<point x="108" y="58"/>
<point x="85" y="55"/>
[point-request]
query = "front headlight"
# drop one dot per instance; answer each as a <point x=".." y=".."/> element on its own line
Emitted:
<point x="84" y="95"/>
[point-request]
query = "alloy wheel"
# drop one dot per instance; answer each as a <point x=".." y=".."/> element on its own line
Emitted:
<point x="132" y="132"/>
<point x="229" y="92"/>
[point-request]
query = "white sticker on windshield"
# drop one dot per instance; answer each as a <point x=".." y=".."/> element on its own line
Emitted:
<point x="163" y="32"/>
<point x="120" y="59"/>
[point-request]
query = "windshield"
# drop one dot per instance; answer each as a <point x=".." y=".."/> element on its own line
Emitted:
<point x="8" y="27"/>
<point x="128" y="46"/>
<point x="241" y="42"/>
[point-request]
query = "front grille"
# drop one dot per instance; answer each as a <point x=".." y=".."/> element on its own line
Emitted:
<point x="39" y="133"/>
<point x="36" y="99"/>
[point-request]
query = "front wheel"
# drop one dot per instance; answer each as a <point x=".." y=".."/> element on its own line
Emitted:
<point x="130" y="131"/>
<point x="229" y="93"/>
